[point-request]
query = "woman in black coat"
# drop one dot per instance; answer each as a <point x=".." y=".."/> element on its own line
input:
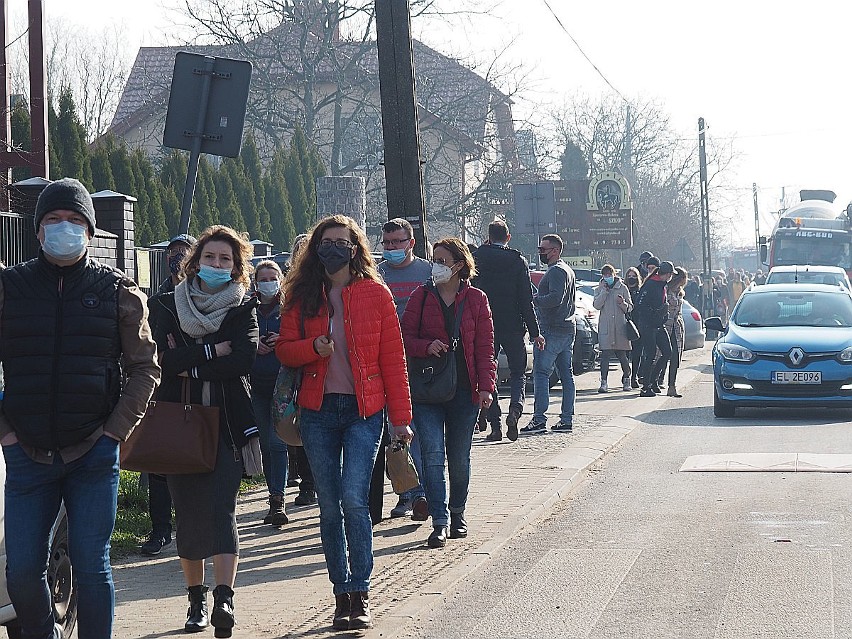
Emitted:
<point x="207" y="338"/>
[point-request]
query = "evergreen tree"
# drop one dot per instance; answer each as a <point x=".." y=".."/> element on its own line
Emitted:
<point x="253" y="169"/>
<point x="152" y="189"/>
<point x="303" y="212"/>
<point x="226" y="199"/>
<point x="283" y="230"/>
<point x="54" y="144"/>
<point x="102" y="177"/>
<point x="172" y="177"/>
<point x="21" y="138"/>
<point x="72" y="149"/>
<point x="204" y="210"/>
<point x="574" y="165"/>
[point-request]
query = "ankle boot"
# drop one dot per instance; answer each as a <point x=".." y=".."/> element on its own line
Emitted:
<point x="276" y="515"/>
<point x="222" y="617"/>
<point x="360" y="618"/>
<point x="342" y="610"/>
<point x="458" y="526"/>
<point x="196" y="615"/>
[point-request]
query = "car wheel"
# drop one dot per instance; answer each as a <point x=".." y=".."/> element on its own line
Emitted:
<point x="60" y="581"/>
<point x="721" y="408"/>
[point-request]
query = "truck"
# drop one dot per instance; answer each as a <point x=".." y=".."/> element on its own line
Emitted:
<point x="811" y="232"/>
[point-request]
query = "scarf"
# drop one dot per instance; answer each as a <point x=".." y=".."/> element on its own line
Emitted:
<point x="201" y="313"/>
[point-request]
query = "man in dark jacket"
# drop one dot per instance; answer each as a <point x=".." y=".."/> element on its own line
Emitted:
<point x="80" y="367"/>
<point x="651" y="312"/>
<point x="504" y="275"/>
<point x="159" y="499"/>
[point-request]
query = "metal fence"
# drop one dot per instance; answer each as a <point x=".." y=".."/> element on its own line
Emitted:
<point x="18" y="241"/>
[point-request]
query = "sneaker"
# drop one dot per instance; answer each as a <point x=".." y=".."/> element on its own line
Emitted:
<point x="647" y="392"/>
<point x="563" y="427"/>
<point x="305" y="498"/>
<point x="603" y="388"/>
<point x="420" y="509"/>
<point x="155" y="544"/>
<point x="494" y="436"/>
<point x="534" y="427"/>
<point x="512" y="423"/>
<point x="625" y="384"/>
<point x="402" y="508"/>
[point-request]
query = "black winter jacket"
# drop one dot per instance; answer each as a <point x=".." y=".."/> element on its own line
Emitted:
<point x="228" y="375"/>
<point x="651" y="308"/>
<point x="504" y="276"/>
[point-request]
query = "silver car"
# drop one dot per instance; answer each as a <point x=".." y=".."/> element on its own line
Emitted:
<point x="693" y="327"/>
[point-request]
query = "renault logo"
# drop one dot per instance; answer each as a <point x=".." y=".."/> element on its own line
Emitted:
<point x="796" y="356"/>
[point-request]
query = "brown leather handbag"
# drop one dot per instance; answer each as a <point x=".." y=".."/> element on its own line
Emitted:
<point x="174" y="438"/>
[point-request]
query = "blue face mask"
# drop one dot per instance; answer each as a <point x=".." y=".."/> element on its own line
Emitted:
<point x="64" y="240"/>
<point x="214" y="277"/>
<point x="395" y="256"/>
<point x="609" y="280"/>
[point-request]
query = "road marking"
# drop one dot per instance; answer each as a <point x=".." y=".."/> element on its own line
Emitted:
<point x="769" y="462"/>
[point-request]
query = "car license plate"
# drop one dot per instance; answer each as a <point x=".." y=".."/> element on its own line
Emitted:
<point x="797" y="377"/>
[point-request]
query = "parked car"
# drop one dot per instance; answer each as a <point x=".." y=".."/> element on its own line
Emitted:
<point x="786" y="345"/>
<point x="59" y="573"/>
<point x="693" y="333"/>
<point x="807" y="274"/>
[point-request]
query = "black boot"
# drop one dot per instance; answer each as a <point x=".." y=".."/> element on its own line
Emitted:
<point x="196" y="615"/>
<point x="222" y="616"/>
<point x="438" y="538"/>
<point x="276" y="515"/>
<point x="359" y="617"/>
<point x="458" y="526"/>
<point x="342" y="610"/>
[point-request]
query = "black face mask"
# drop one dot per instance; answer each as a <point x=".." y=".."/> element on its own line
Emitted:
<point x="543" y="257"/>
<point x="632" y="281"/>
<point x="334" y="258"/>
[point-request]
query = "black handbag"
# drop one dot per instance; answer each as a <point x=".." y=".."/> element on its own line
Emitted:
<point x="433" y="380"/>
<point x="632" y="330"/>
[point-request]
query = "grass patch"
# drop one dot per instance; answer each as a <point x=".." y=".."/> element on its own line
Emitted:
<point x="132" y="523"/>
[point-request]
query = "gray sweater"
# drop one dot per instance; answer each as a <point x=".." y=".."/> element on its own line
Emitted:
<point x="555" y="301"/>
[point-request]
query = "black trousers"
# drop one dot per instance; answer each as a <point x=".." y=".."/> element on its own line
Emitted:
<point x="516" y="356"/>
<point x="653" y="338"/>
<point x="160" y="505"/>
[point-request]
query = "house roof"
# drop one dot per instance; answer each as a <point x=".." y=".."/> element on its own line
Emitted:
<point x="444" y="86"/>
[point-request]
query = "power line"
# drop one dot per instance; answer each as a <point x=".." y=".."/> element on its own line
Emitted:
<point x="580" y="49"/>
<point x="26" y="31"/>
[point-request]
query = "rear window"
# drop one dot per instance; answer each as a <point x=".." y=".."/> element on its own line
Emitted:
<point x="808" y="277"/>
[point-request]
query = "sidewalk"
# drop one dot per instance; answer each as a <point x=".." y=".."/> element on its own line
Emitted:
<point x="282" y="586"/>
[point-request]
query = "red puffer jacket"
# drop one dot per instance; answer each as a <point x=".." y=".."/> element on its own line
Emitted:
<point x="375" y="351"/>
<point x="477" y="332"/>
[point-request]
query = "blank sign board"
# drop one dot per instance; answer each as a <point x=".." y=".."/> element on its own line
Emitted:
<point x="226" y="104"/>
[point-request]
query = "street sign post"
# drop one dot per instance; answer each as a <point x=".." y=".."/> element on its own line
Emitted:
<point x="535" y="208"/>
<point x="207" y="110"/>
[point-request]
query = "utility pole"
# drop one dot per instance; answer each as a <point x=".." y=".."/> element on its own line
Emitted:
<point x="403" y="174"/>
<point x="756" y="216"/>
<point x="706" y="258"/>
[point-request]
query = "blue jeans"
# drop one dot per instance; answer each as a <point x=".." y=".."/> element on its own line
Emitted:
<point x="445" y="432"/>
<point x="34" y="492"/>
<point x="341" y="447"/>
<point x="558" y="351"/>
<point x="273" y="450"/>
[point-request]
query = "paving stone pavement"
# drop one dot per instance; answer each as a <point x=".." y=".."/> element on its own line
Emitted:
<point x="282" y="586"/>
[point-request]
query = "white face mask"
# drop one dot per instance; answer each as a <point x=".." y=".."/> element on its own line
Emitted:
<point x="268" y="289"/>
<point x="441" y="273"/>
<point x="64" y="240"/>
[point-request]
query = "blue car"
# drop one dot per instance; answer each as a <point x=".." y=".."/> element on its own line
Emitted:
<point x="786" y="345"/>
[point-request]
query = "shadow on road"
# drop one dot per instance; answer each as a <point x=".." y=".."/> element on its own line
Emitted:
<point x="702" y="417"/>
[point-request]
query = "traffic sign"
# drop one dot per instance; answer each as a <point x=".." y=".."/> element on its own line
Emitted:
<point x="584" y="261"/>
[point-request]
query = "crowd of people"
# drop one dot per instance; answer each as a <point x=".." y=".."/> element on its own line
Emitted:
<point x="216" y="334"/>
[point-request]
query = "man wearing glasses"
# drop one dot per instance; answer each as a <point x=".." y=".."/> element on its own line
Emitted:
<point x="403" y="272"/>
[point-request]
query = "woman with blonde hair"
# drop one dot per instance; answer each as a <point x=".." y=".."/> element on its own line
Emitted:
<point x="446" y="429"/>
<point x="339" y="324"/>
<point x="207" y="337"/>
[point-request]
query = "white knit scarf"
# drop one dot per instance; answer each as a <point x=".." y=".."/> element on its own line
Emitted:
<point x="201" y="313"/>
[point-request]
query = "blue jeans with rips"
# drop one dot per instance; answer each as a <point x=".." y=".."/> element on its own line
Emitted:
<point x="558" y="352"/>
<point x="445" y="432"/>
<point x="341" y="447"/>
<point x="273" y="450"/>
<point x="34" y="493"/>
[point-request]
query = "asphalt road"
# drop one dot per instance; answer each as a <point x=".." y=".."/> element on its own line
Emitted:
<point x="643" y="550"/>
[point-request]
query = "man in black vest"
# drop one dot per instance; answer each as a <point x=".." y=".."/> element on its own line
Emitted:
<point x="504" y="275"/>
<point x="80" y="367"/>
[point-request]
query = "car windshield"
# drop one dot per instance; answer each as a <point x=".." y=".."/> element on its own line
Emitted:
<point x="785" y="308"/>
<point x="834" y="251"/>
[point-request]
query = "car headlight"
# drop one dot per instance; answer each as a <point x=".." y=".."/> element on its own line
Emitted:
<point x="845" y="355"/>
<point x="735" y="353"/>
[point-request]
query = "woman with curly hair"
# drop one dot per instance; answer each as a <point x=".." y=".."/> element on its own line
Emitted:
<point x="207" y="337"/>
<point x="339" y="324"/>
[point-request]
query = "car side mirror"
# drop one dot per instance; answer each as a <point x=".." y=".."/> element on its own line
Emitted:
<point x="714" y="324"/>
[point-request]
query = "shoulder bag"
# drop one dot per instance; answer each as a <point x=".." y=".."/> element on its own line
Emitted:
<point x="630" y="326"/>
<point x="433" y="380"/>
<point x="174" y="438"/>
<point x="285" y="410"/>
